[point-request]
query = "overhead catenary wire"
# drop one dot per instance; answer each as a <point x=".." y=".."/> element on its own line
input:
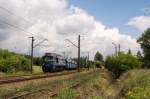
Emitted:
<point x="21" y="29"/>
<point x="14" y="26"/>
<point x="8" y="11"/>
<point x="11" y="13"/>
<point x="18" y="27"/>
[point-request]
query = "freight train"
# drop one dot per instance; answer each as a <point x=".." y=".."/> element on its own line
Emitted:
<point x="55" y="62"/>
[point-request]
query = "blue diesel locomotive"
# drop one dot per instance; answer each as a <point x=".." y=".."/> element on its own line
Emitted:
<point x="55" y="62"/>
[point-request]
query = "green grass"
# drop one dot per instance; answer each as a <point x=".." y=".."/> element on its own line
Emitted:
<point x="62" y="86"/>
<point x="134" y="84"/>
<point x="137" y="85"/>
<point x="8" y="91"/>
<point x="67" y="94"/>
<point x="54" y="84"/>
<point x="90" y="88"/>
<point x="36" y="70"/>
<point x="95" y="87"/>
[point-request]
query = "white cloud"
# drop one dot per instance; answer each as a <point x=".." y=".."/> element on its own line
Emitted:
<point x="140" y="22"/>
<point x="56" y="21"/>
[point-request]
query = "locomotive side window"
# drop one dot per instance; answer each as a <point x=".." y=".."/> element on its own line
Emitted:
<point x="57" y="60"/>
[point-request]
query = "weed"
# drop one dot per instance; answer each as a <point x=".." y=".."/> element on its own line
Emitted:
<point x="137" y="85"/>
<point x="67" y="94"/>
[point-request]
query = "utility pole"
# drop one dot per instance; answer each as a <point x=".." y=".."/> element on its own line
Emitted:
<point x="79" y="53"/>
<point x="32" y="43"/>
<point x="115" y="45"/>
<point x="77" y="46"/>
<point x="119" y="48"/>
<point x="32" y="48"/>
<point x="88" y="62"/>
<point x="116" y="50"/>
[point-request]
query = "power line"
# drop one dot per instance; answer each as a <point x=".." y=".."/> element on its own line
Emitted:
<point x="71" y="43"/>
<point x="39" y="43"/>
<point x="77" y="46"/>
<point x="15" y="15"/>
<point x="11" y="13"/>
<point x="17" y="27"/>
<point x="14" y="26"/>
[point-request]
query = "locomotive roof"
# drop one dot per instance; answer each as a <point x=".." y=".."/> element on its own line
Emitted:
<point x="52" y="54"/>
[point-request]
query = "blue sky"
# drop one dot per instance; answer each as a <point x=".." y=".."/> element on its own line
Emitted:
<point x="114" y="13"/>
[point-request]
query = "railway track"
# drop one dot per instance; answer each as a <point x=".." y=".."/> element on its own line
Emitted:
<point x="26" y="93"/>
<point x="27" y="78"/>
<point x="52" y="94"/>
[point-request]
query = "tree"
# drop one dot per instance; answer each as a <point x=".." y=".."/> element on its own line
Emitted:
<point x="129" y="51"/>
<point x="144" y="41"/>
<point x="98" y="64"/>
<point x="83" y="61"/>
<point x="139" y="55"/>
<point x="38" y="61"/>
<point x="98" y="57"/>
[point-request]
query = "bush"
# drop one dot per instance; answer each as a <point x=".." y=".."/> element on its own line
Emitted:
<point x="38" y="61"/>
<point x="10" y="62"/>
<point x="121" y="63"/>
<point x="98" y="64"/>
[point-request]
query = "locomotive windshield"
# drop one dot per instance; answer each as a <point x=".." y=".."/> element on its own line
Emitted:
<point x="48" y="58"/>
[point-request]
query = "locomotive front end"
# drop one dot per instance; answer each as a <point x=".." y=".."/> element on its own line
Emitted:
<point x="48" y="63"/>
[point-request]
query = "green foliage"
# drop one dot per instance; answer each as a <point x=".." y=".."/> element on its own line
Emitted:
<point x="129" y="51"/>
<point x="98" y="57"/>
<point x="121" y="63"/>
<point x="91" y="64"/>
<point x="98" y="60"/>
<point x="137" y="85"/>
<point x="83" y="61"/>
<point x="10" y="62"/>
<point x="98" y="64"/>
<point x="144" y="41"/>
<point x="38" y="61"/>
<point x="139" y="55"/>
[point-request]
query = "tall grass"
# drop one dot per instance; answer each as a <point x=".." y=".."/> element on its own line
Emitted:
<point x="137" y="85"/>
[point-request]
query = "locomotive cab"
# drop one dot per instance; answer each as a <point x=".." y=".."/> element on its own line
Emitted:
<point x="53" y="62"/>
<point x="48" y="63"/>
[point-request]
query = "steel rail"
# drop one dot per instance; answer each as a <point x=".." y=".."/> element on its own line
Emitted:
<point x="21" y="79"/>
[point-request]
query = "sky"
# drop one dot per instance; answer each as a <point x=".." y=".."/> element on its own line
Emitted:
<point x="99" y="22"/>
<point x="115" y="12"/>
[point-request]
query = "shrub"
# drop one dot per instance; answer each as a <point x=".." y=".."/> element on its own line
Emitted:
<point x="10" y="62"/>
<point x="98" y="64"/>
<point x="121" y="63"/>
<point x="38" y="61"/>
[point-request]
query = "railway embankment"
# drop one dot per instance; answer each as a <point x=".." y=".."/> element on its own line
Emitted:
<point x="93" y="84"/>
<point x="134" y="84"/>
